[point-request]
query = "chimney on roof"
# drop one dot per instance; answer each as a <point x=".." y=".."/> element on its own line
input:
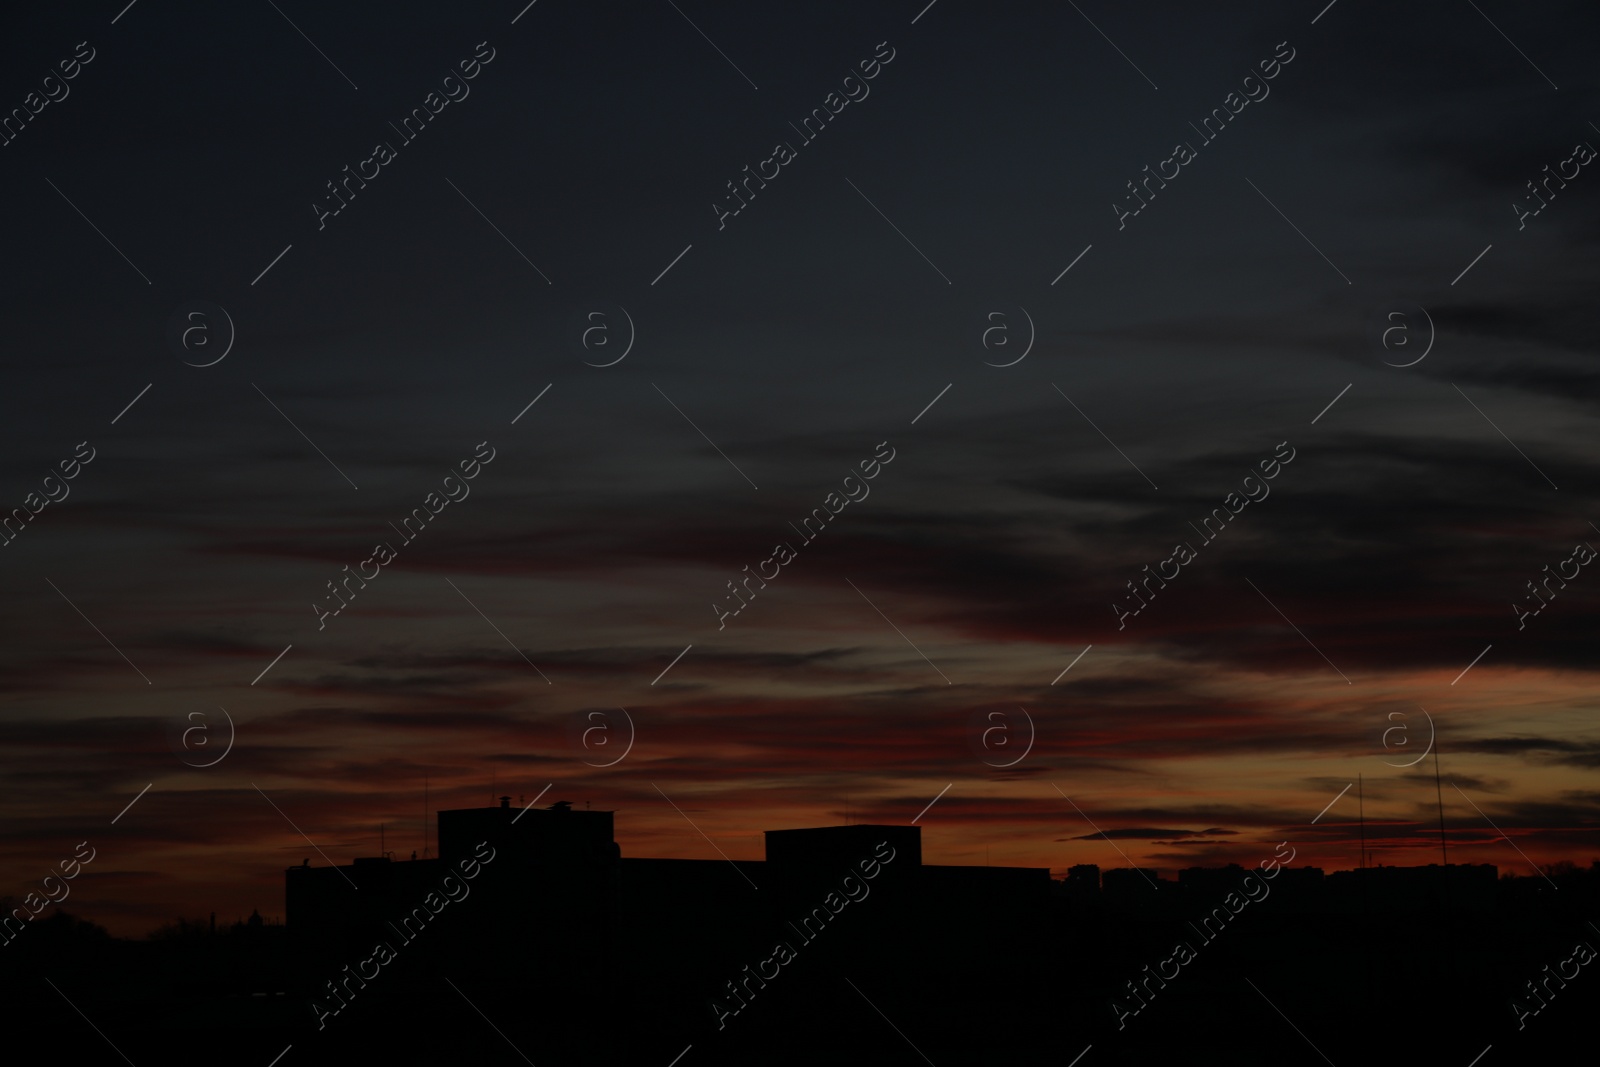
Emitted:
<point x="505" y="802"/>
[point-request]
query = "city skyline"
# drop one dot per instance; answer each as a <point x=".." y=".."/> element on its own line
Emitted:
<point x="948" y="270"/>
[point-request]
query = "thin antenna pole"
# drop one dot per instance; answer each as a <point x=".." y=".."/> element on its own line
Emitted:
<point x="424" y="816"/>
<point x="1439" y="792"/>
<point x="1361" y="807"/>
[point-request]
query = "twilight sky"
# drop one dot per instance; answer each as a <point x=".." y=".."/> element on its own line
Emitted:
<point x="809" y="333"/>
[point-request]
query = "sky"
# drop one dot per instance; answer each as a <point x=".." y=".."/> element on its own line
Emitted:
<point x="948" y="273"/>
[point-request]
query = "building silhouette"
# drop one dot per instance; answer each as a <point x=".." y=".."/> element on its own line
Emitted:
<point x="558" y="907"/>
<point x="530" y="928"/>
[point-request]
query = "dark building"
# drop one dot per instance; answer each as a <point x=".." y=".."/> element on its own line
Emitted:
<point x="1131" y="888"/>
<point x="840" y="846"/>
<point x="542" y="900"/>
<point x="1298" y="889"/>
<point x="1207" y="882"/>
<point x="529" y="894"/>
<point x="1284" y="889"/>
<point x="1083" y="877"/>
<point x="1456" y="887"/>
<point x="554" y="837"/>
